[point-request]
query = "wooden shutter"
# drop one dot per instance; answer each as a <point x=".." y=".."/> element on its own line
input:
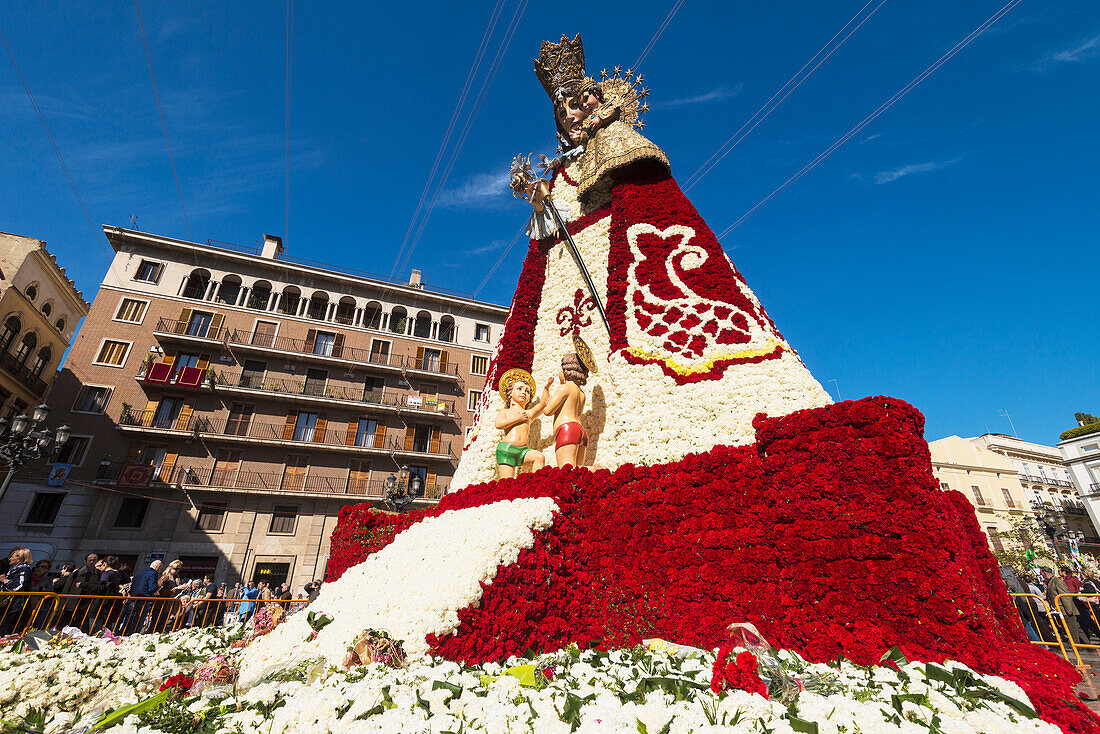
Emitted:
<point x="357" y="477"/>
<point x="215" y="330"/>
<point x="410" y="437"/>
<point x="443" y="355"/>
<point x="288" y="428"/>
<point x="419" y="359"/>
<point x="338" y="345"/>
<point x="353" y="426"/>
<point x="185" y="318"/>
<point x="380" y="435"/>
<point x="134" y="453"/>
<point x="170" y="357"/>
<point x="319" y="429"/>
<point x="146" y="418"/>
<point x="203" y="364"/>
<point x="185" y="415"/>
<point x="166" y="466"/>
<point x="311" y="340"/>
<point x="429" y="483"/>
<point x="434" y="442"/>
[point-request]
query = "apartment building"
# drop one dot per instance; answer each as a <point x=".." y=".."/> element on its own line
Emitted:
<point x="1047" y="482"/>
<point x="227" y="401"/>
<point x="40" y="308"/>
<point x="986" y="478"/>
<point x="1080" y="450"/>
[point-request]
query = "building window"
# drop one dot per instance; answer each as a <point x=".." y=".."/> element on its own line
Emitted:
<point x="263" y="335"/>
<point x="479" y="365"/>
<point x="131" y="513"/>
<point x="92" y="399"/>
<point x="283" y="519"/>
<point x="324" y="343"/>
<point x="304" y="426"/>
<point x="364" y="432"/>
<point x="1008" y="497"/>
<point x="44" y="508"/>
<point x="60" y="324"/>
<point x="945" y="486"/>
<point x="167" y="413"/>
<point x="199" y="323"/>
<point x="32" y="292"/>
<point x="47" y="309"/>
<point x="994" y="537"/>
<point x="259" y="297"/>
<point x="977" y="494"/>
<point x="149" y="271"/>
<point x="358" y="476"/>
<point x="211" y="517"/>
<point x="294" y="475"/>
<point x="42" y="361"/>
<point x="481" y="332"/>
<point x="240" y="415"/>
<point x="30" y="341"/>
<point x="379" y="352"/>
<point x="131" y="310"/>
<point x="12" y="327"/>
<point x="472" y="399"/>
<point x="431" y="360"/>
<point x="197" y="285"/>
<point x="113" y="353"/>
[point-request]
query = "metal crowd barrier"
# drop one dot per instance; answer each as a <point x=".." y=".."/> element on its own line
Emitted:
<point x="1042" y="621"/>
<point x="21" y="612"/>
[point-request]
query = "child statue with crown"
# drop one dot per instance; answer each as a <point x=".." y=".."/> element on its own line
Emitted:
<point x="688" y="355"/>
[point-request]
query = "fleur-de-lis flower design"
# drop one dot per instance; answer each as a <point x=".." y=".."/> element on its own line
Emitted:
<point x="572" y="318"/>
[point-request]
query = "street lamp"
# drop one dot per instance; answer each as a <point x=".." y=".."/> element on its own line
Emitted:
<point x="23" y="441"/>
<point x="399" y="494"/>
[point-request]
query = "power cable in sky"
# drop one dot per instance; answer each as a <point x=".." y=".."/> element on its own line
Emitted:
<point x="656" y="35"/>
<point x="490" y="74"/>
<point x="493" y="18"/>
<point x="164" y="126"/>
<point x="53" y="144"/>
<point x="725" y="148"/>
<point x="882" y="108"/>
<point x="286" y="195"/>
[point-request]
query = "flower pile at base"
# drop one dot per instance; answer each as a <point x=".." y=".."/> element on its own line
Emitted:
<point x="587" y="692"/>
<point x="829" y="534"/>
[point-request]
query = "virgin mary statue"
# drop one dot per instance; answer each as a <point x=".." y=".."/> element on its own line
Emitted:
<point x="688" y="356"/>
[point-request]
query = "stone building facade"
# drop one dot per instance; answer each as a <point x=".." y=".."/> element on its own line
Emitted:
<point x="40" y="309"/>
<point x="226" y="402"/>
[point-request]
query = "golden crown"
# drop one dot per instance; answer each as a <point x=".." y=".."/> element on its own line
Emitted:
<point x="560" y="64"/>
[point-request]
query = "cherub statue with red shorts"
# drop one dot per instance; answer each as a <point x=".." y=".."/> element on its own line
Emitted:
<point x="517" y="387"/>
<point x="566" y="404"/>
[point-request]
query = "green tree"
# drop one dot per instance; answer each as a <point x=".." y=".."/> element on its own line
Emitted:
<point x="1024" y="545"/>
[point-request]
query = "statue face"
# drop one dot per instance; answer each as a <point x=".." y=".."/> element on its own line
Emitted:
<point x="572" y="112"/>
<point x="520" y="393"/>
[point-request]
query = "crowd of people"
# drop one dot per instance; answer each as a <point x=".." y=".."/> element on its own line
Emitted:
<point x="1043" y="622"/>
<point x="125" y="604"/>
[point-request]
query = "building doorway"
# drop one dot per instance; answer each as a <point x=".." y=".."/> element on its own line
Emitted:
<point x="274" y="574"/>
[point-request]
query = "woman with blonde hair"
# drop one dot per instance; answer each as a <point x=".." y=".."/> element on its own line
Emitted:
<point x="16" y="578"/>
<point x="168" y="586"/>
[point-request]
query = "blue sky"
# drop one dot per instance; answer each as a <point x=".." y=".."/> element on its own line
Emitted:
<point x="946" y="255"/>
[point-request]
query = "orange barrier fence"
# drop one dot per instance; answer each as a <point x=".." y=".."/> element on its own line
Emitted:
<point x="1035" y="611"/>
<point x="21" y="612"/>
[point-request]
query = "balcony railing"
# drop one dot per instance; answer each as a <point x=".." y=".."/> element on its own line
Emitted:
<point x="425" y="448"/>
<point x="129" y="474"/>
<point x="343" y="352"/>
<point x="21" y="372"/>
<point x="238" y="479"/>
<point x="1025" y="477"/>
<point x="1075" y="508"/>
<point x="168" y="325"/>
<point x="292" y="387"/>
<point x="165" y="421"/>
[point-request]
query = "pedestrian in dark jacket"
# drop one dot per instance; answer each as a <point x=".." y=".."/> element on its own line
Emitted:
<point x="143" y="585"/>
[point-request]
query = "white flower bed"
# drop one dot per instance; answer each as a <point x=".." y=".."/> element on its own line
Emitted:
<point x="412" y="587"/>
<point x="622" y="692"/>
<point x="94" y="673"/>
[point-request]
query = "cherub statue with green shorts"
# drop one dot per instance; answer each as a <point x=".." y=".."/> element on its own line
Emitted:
<point x="517" y="387"/>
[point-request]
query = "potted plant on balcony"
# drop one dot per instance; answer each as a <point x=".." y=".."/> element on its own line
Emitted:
<point x="127" y="413"/>
<point x="210" y="377"/>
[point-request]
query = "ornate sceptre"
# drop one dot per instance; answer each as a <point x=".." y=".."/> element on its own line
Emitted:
<point x="525" y="185"/>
